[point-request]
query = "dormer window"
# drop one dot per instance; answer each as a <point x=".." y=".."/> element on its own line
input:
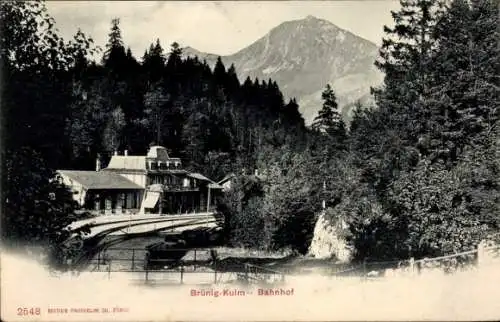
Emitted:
<point x="154" y="165"/>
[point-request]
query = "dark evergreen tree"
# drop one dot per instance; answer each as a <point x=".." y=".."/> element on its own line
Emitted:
<point x="154" y="62"/>
<point x="115" y="56"/>
<point x="174" y="58"/>
<point x="462" y="86"/>
<point x="326" y="116"/>
<point x="329" y="119"/>
<point x="232" y="80"/>
<point x="405" y="60"/>
<point x="220" y="75"/>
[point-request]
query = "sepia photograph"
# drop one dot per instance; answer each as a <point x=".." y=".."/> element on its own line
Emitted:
<point x="250" y="160"/>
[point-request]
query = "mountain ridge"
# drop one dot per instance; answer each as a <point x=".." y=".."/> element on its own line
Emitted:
<point x="302" y="56"/>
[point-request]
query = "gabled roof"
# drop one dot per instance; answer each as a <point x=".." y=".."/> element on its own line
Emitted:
<point x="99" y="180"/>
<point x="169" y="171"/>
<point x="127" y="162"/>
<point x="160" y="153"/>
<point x="227" y="178"/>
<point x="215" y="186"/>
<point x="199" y="176"/>
<point x="137" y="163"/>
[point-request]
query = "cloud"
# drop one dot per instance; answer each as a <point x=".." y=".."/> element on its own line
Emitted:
<point x="217" y="27"/>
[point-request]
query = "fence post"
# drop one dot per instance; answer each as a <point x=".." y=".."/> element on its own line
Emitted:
<point x="133" y="259"/>
<point x="480" y="253"/>
<point x="195" y="259"/>
<point x="412" y="265"/>
<point x="364" y="268"/>
<point x="98" y="260"/>
<point x="182" y="274"/>
<point x="109" y="270"/>
<point x="215" y="271"/>
<point x="246" y="272"/>
<point x="146" y="277"/>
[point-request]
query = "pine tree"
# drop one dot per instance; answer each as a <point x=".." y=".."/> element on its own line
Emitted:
<point x="172" y="72"/>
<point x="233" y="82"/>
<point x="174" y="58"/>
<point x="405" y="60"/>
<point x="463" y="79"/>
<point x="154" y="62"/>
<point x="328" y="119"/>
<point x="291" y="113"/>
<point x="115" y="36"/>
<point x="115" y="55"/>
<point x="155" y="103"/>
<point x="112" y="136"/>
<point x="220" y="73"/>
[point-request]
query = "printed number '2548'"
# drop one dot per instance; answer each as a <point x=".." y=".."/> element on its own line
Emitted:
<point x="28" y="311"/>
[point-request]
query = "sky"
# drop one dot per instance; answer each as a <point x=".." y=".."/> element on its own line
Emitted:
<point x="220" y="28"/>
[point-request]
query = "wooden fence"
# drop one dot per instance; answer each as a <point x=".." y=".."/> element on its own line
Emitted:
<point x="466" y="260"/>
<point x="200" y="267"/>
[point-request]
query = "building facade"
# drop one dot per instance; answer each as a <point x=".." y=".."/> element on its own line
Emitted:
<point x="154" y="183"/>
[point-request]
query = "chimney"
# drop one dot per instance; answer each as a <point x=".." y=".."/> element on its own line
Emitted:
<point x="98" y="163"/>
<point x="125" y="152"/>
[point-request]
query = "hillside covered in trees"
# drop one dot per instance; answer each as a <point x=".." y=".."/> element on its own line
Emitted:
<point x="415" y="175"/>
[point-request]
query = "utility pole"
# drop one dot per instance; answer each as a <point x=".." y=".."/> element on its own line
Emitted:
<point x="160" y="206"/>
<point x="208" y="200"/>
<point x="323" y="202"/>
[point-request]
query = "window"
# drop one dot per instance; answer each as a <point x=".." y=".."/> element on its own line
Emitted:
<point x="134" y="198"/>
<point x="156" y="179"/>
<point x="185" y="183"/>
<point x="109" y="203"/>
<point x="122" y="202"/>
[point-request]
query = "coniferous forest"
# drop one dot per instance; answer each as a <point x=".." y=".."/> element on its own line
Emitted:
<point x="417" y="174"/>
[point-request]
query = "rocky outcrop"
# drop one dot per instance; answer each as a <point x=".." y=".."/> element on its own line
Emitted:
<point x="328" y="241"/>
